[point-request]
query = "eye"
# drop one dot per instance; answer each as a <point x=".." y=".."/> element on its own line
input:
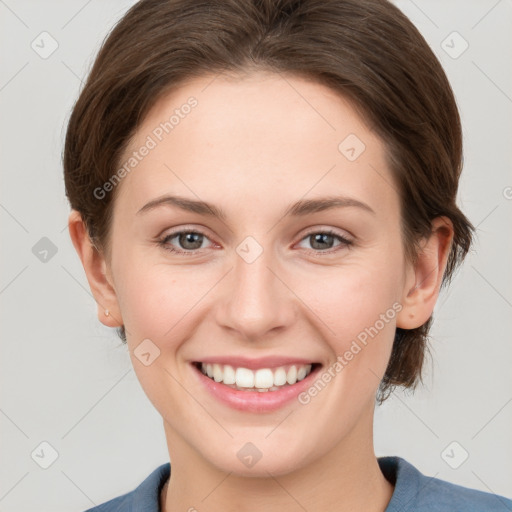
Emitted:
<point x="322" y="241"/>
<point x="190" y="241"/>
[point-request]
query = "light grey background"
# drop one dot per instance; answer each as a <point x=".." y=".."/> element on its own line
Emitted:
<point x="67" y="380"/>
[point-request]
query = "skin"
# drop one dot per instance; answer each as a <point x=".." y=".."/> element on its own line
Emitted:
<point x="254" y="145"/>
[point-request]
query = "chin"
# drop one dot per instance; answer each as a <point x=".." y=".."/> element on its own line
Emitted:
<point x="263" y="468"/>
<point x="259" y="459"/>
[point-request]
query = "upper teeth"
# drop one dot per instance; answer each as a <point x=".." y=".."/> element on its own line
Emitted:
<point x="264" y="378"/>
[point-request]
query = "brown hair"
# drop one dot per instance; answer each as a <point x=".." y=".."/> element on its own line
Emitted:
<point x="366" y="50"/>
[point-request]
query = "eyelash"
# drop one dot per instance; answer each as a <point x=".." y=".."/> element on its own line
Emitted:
<point x="164" y="242"/>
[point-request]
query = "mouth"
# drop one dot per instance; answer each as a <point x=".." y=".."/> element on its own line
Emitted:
<point x="260" y="380"/>
<point x="257" y="389"/>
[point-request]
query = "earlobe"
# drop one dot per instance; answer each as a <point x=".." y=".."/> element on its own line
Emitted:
<point x="95" y="268"/>
<point x="423" y="282"/>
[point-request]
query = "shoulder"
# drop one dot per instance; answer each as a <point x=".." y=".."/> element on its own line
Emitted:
<point x="415" y="491"/>
<point x="144" y="497"/>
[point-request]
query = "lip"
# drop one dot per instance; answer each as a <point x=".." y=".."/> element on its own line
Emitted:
<point x="254" y="401"/>
<point x="256" y="363"/>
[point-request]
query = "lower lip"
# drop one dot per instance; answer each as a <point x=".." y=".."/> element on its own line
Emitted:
<point x="255" y="401"/>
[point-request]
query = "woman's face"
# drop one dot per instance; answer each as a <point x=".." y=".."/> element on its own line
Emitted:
<point x="277" y="281"/>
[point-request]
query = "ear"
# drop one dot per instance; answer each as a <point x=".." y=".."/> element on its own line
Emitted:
<point x="96" y="270"/>
<point x="423" y="280"/>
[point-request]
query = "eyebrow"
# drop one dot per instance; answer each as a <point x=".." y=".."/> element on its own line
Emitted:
<point x="300" y="208"/>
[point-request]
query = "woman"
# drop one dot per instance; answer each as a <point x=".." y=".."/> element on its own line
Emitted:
<point x="263" y="200"/>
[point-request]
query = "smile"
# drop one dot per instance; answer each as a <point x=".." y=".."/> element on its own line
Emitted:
<point x="262" y="379"/>
<point x="259" y="385"/>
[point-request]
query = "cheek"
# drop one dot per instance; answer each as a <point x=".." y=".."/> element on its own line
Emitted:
<point x="353" y="298"/>
<point x="358" y="305"/>
<point x="155" y="298"/>
<point x="157" y="306"/>
<point x="359" y="308"/>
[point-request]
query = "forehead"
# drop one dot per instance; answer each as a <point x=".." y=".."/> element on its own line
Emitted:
<point x="262" y="137"/>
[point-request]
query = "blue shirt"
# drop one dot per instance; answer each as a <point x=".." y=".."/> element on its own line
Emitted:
<point x="413" y="492"/>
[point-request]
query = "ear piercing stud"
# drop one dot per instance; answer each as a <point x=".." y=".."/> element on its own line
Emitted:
<point x="107" y="312"/>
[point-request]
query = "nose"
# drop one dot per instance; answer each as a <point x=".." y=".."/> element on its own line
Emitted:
<point x="257" y="302"/>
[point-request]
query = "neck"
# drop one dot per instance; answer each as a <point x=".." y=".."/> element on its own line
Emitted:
<point x="345" y="478"/>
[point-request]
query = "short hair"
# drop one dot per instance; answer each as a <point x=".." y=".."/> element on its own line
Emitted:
<point x="368" y="51"/>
